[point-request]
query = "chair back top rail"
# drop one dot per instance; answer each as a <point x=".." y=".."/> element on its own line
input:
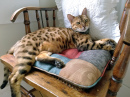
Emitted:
<point x="17" y="12"/>
<point x="39" y="18"/>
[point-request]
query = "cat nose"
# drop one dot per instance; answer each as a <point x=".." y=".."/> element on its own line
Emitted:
<point x="84" y="26"/>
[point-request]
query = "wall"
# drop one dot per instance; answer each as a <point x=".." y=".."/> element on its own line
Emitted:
<point x="9" y="34"/>
<point x="47" y="3"/>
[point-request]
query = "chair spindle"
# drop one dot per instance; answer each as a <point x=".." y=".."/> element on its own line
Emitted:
<point x="47" y="18"/>
<point x="38" y="20"/>
<point x="54" y="23"/>
<point x="26" y="22"/>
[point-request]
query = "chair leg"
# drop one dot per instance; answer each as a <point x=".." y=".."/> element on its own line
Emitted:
<point x="26" y="93"/>
<point x="119" y="72"/>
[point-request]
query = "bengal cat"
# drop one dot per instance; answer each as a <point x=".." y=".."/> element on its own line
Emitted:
<point x="41" y="44"/>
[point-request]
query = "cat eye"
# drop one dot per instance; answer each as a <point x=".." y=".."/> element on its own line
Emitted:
<point x="78" y="22"/>
<point x="86" y="20"/>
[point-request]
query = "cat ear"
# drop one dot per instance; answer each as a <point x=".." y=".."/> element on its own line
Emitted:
<point x="84" y="12"/>
<point x="70" y="17"/>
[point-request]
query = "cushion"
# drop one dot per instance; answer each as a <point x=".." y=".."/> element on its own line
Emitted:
<point x="102" y="14"/>
<point x="83" y="69"/>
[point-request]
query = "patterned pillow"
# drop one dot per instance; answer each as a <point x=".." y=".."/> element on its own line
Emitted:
<point x="102" y="14"/>
<point x="83" y="69"/>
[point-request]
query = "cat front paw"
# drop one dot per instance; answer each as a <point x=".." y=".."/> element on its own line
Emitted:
<point x="107" y="44"/>
<point x="110" y="44"/>
<point x="59" y="64"/>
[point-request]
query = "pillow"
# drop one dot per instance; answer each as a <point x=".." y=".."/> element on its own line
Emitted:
<point x="102" y="14"/>
<point x="83" y="69"/>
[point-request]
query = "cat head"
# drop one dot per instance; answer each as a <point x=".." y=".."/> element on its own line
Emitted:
<point x="79" y="23"/>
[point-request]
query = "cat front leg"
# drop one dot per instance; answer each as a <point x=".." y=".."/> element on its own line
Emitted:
<point x="44" y="56"/>
<point x="105" y="44"/>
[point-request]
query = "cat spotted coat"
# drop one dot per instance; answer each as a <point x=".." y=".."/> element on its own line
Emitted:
<point x="39" y="45"/>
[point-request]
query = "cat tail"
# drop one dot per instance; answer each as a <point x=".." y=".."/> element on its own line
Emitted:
<point x="6" y="70"/>
<point x="6" y="75"/>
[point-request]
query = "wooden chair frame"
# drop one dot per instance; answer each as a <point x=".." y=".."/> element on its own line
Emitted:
<point x="52" y="87"/>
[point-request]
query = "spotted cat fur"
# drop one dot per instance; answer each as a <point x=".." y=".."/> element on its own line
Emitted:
<point x="39" y="45"/>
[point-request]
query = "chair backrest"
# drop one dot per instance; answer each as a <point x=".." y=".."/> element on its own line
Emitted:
<point x="123" y="31"/>
<point x="39" y="16"/>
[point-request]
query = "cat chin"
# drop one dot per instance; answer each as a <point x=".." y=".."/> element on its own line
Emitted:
<point x="85" y="29"/>
<point x="82" y="30"/>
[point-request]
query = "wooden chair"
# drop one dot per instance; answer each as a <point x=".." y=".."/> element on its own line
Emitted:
<point x="52" y="87"/>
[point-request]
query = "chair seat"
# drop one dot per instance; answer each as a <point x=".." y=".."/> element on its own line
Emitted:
<point x="53" y="87"/>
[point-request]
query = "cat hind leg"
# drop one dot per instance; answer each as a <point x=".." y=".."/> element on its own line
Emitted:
<point x="44" y="56"/>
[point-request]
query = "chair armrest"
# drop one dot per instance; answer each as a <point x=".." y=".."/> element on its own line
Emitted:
<point x="39" y="17"/>
<point x="17" y="12"/>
